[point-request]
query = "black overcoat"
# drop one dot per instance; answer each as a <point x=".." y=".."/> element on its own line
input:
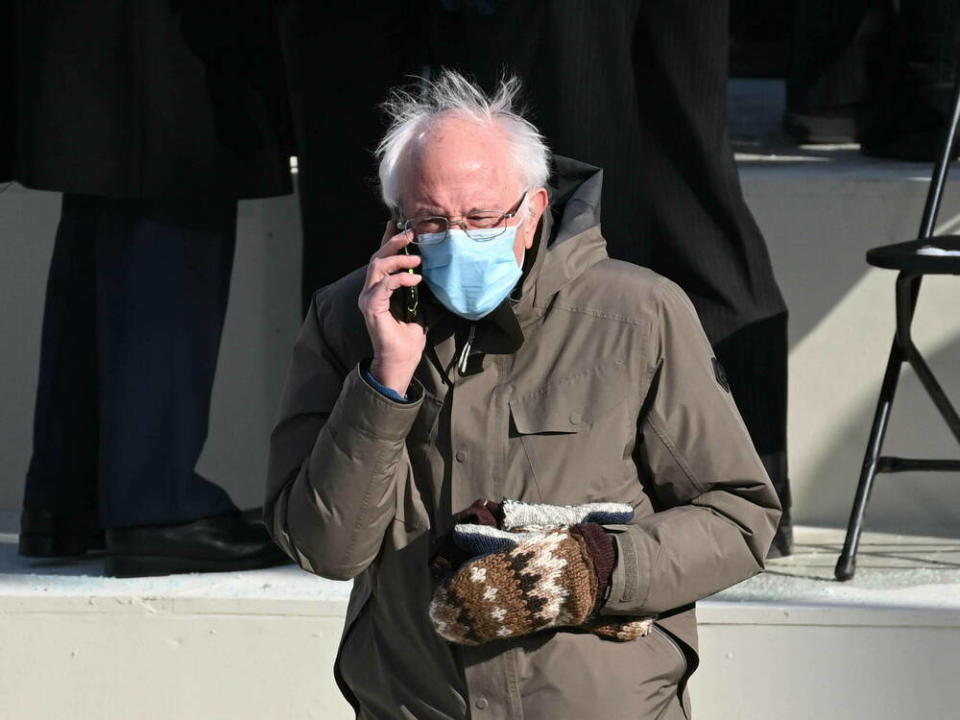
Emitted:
<point x="152" y="98"/>
<point x="7" y="92"/>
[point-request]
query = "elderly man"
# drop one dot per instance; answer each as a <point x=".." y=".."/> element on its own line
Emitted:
<point x="496" y="352"/>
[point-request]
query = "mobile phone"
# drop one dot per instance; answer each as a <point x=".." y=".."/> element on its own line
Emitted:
<point x="411" y="295"/>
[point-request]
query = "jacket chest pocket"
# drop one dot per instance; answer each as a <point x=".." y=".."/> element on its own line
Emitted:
<point x="576" y="434"/>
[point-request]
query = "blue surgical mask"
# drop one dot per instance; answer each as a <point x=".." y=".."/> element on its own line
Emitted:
<point x="468" y="277"/>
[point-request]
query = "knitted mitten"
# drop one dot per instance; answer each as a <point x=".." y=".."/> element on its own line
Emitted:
<point x="546" y="579"/>
<point x="478" y="529"/>
<point x="518" y="514"/>
<point x="445" y="555"/>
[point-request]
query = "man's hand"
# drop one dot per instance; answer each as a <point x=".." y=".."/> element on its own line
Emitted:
<point x="397" y="345"/>
<point x="512" y="568"/>
<point x="546" y="580"/>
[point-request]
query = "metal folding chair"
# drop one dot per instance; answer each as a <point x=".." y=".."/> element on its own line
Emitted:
<point x="929" y="254"/>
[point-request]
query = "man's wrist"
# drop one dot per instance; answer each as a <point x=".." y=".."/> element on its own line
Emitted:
<point x="396" y="379"/>
<point x="382" y="389"/>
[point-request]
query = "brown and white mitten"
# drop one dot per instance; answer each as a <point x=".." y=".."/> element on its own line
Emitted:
<point x="486" y="526"/>
<point x="547" y="579"/>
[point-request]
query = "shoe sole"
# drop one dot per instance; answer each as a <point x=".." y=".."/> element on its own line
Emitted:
<point x="817" y="130"/>
<point x="127" y="566"/>
<point x="49" y="546"/>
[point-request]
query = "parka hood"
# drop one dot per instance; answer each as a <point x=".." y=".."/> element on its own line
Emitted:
<point x="569" y="238"/>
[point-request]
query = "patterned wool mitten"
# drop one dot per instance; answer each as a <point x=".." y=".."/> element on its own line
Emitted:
<point x="518" y="514"/>
<point x="546" y="579"/>
<point x="478" y="528"/>
<point x="446" y="555"/>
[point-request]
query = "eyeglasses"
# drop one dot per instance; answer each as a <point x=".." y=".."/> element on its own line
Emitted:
<point x="479" y="225"/>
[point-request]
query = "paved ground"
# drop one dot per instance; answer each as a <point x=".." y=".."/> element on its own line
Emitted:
<point x="84" y="577"/>
<point x="894" y="570"/>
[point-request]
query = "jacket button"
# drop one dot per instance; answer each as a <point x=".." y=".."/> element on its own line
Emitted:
<point x="575" y="418"/>
<point x="461" y="456"/>
<point x="481" y="703"/>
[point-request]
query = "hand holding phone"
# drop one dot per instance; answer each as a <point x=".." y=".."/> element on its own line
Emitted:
<point x="398" y="343"/>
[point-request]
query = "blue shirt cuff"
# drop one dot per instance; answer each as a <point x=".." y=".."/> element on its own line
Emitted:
<point x="383" y="389"/>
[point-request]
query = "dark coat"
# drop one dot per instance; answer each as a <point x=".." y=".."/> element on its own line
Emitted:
<point x="639" y="89"/>
<point x="7" y="90"/>
<point x="153" y="98"/>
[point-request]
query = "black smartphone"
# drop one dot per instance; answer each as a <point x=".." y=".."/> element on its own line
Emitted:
<point x="411" y="295"/>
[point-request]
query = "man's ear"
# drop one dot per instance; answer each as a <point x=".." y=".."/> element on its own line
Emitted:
<point x="536" y="205"/>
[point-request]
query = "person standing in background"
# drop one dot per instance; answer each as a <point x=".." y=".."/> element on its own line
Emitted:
<point x="338" y="129"/>
<point x="7" y="90"/>
<point x="639" y="89"/>
<point x="152" y="118"/>
<point x="875" y="72"/>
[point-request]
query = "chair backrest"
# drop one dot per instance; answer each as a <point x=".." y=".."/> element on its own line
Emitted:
<point x="939" y="178"/>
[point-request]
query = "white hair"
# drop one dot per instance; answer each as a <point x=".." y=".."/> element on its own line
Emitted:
<point x="412" y="112"/>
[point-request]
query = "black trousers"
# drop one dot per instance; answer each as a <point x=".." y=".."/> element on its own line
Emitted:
<point x="636" y="87"/>
<point x="884" y="54"/>
<point x="135" y="305"/>
<point x="340" y="64"/>
<point x="639" y="88"/>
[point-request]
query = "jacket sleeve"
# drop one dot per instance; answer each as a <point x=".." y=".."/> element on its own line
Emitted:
<point x="335" y="456"/>
<point x="717" y="508"/>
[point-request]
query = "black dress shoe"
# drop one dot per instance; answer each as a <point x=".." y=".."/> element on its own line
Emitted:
<point x="253" y="515"/>
<point x="913" y="126"/>
<point x="51" y="534"/>
<point x="824" y="126"/>
<point x="222" y="543"/>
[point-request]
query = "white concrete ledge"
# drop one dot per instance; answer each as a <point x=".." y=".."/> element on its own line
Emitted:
<point x="791" y="643"/>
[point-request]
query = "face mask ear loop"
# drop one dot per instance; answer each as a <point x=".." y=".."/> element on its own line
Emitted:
<point x="514" y="293"/>
<point x="526" y="216"/>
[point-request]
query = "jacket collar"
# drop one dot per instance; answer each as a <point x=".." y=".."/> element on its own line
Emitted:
<point x="569" y="239"/>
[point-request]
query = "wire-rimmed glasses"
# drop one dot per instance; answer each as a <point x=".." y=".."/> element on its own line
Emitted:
<point x="479" y="225"/>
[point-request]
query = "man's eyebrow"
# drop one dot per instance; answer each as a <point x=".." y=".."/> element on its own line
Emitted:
<point x="435" y="210"/>
<point x="426" y="208"/>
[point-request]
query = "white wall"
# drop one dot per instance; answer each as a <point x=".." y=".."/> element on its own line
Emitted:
<point x="818" y="217"/>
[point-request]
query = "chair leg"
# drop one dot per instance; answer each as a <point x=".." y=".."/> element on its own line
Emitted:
<point x="846" y="565"/>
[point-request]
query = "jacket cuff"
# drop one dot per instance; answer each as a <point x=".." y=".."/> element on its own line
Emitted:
<point x="630" y="579"/>
<point x="380" y="387"/>
<point x="362" y="407"/>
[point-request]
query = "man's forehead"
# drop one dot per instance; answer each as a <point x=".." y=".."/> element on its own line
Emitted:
<point x="459" y="161"/>
<point x="444" y="196"/>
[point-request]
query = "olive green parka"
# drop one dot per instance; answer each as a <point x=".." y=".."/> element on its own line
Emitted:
<point x="594" y="383"/>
